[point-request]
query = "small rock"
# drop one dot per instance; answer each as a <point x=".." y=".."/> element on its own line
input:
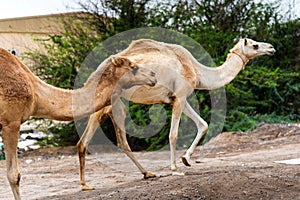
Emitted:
<point x="177" y="174"/>
<point x="28" y="161"/>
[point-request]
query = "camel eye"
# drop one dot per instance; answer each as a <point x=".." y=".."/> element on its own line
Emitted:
<point x="135" y="70"/>
<point x="255" y="46"/>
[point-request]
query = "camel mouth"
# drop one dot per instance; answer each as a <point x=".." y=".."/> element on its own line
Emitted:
<point x="271" y="52"/>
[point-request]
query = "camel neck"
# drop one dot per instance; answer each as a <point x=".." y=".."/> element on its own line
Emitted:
<point x="242" y="57"/>
<point x="210" y="78"/>
<point x="65" y="105"/>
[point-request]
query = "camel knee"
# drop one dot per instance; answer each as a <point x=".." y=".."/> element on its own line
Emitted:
<point x="173" y="138"/>
<point x="81" y="148"/>
<point x="14" y="178"/>
<point x="204" y="126"/>
<point x="123" y="146"/>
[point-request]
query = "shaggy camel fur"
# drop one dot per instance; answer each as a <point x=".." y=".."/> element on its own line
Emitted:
<point x="178" y="74"/>
<point x="22" y="94"/>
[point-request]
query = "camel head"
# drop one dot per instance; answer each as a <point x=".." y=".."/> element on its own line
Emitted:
<point x="251" y="49"/>
<point x="136" y="75"/>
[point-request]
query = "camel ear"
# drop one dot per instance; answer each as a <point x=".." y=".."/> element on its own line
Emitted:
<point x="245" y="42"/>
<point x="119" y="61"/>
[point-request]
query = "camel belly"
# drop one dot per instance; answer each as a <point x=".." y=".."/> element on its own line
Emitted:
<point x="148" y="95"/>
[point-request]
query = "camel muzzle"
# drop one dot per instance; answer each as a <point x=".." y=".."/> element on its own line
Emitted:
<point x="271" y="52"/>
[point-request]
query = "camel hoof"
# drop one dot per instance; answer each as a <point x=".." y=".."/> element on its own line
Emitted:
<point x="185" y="161"/>
<point x="85" y="187"/>
<point x="148" y="175"/>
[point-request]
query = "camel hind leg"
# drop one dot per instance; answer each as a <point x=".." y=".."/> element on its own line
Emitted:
<point x="118" y="118"/>
<point x="202" y="127"/>
<point x="82" y="145"/>
<point x="10" y="134"/>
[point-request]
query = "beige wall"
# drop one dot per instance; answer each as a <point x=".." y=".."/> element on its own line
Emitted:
<point x="20" y="42"/>
<point x="19" y="34"/>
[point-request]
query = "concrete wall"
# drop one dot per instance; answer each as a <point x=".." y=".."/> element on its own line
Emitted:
<point x="19" y="34"/>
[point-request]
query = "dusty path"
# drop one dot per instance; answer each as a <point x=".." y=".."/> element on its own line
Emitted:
<point x="231" y="166"/>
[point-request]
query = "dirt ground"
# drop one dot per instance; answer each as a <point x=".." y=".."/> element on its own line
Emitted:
<point x="234" y="165"/>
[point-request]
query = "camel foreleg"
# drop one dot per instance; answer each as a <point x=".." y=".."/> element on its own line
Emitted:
<point x="10" y="134"/>
<point x="118" y="118"/>
<point x="173" y="135"/>
<point x="82" y="145"/>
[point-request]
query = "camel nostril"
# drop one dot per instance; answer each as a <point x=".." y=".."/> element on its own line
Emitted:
<point x="152" y="73"/>
<point x="153" y="83"/>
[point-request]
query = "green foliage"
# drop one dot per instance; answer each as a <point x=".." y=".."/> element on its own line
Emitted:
<point x="260" y="91"/>
<point x="63" y="135"/>
<point x="266" y="91"/>
<point x="140" y="115"/>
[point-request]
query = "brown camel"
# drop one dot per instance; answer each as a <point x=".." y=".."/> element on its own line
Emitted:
<point x="178" y="74"/>
<point x="22" y="94"/>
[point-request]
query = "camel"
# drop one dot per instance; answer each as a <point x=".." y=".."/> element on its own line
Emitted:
<point x="178" y="74"/>
<point x="22" y="94"/>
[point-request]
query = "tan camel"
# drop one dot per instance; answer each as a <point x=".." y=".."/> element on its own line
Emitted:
<point x="22" y="94"/>
<point x="178" y="74"/>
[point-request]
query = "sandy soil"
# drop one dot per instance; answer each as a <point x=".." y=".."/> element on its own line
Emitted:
<point x="234" y="165"/>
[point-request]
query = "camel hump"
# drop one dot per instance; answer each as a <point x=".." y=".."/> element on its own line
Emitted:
<point x="14" y="82"/>
<point x="145" y="45"/>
